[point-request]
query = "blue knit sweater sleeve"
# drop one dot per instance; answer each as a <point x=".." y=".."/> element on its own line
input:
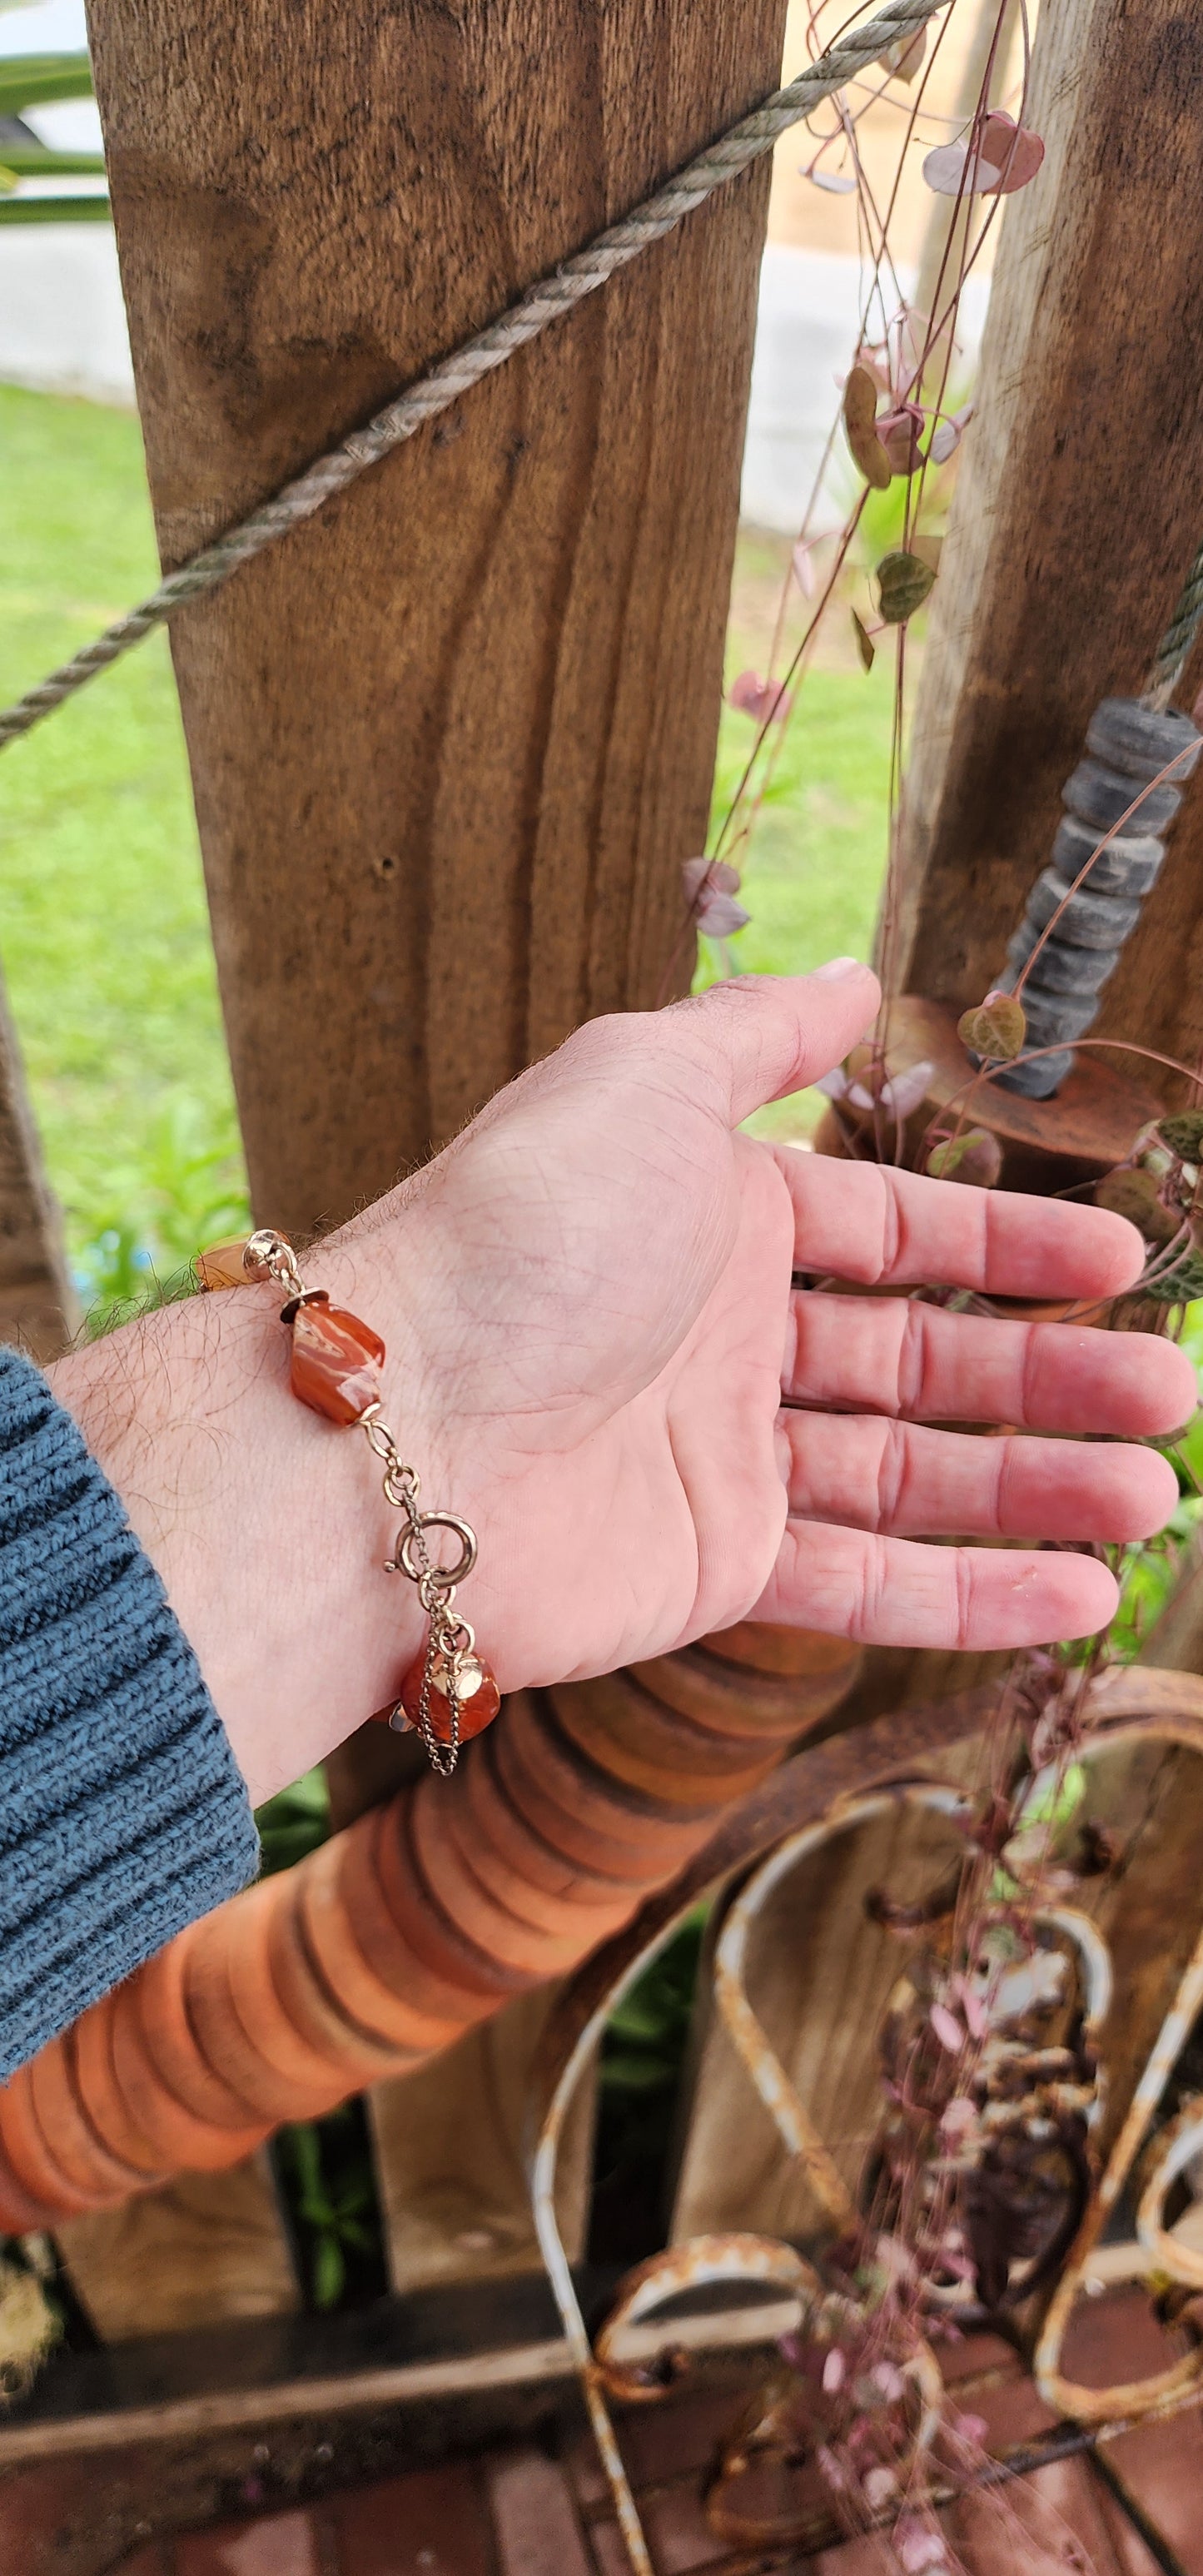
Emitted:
<point x="122" y="1810"/>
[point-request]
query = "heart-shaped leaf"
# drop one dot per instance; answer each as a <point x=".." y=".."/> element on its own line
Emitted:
<point x="947" y="435"/>
<point x="900" y="432"/>
<point x="955" y="170"/>
<point x="766" y="700"/>
<point x="860" y="413"/>
<point x="1015" y="149"/>
<point x="996" y="1028"/>
<point x="837" y="183"/>
<point x="1134" y="1194"/>
<point x="903" y="58"/>
<point x="903" y="582"/>
<point x="975" y="1157"/>
<point x="711" y="886"/>
<point x="1183" y="1133"/>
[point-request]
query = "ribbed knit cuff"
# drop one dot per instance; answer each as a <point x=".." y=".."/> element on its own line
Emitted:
<point x="123" y="1814"/>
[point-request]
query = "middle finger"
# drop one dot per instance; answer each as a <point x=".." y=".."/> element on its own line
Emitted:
<point x="894" y="1355"/>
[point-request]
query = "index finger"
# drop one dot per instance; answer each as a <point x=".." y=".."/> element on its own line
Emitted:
<point x="882" y="1227"/>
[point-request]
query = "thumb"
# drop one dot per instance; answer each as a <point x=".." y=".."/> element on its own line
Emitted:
<point x="761" y="1036"/>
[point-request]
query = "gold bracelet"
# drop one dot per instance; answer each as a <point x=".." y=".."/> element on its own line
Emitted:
<point x="448" y="1694"/>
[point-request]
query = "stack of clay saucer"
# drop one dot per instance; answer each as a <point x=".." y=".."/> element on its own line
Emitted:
<point x="421" y="1918"/>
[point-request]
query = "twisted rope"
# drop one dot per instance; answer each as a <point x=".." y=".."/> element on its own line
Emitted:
<point x="1173" y="652"/>
<point x="542" y="304"/>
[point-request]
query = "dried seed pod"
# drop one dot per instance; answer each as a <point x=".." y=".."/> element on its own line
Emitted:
<point x="860" y="415"/>
<point x="865" y="646"/>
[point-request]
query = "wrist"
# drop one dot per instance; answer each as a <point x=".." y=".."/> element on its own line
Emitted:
<point x="267" y="1523"/>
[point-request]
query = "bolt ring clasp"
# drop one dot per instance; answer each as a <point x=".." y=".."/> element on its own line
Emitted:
<point x="445" y="1576"/>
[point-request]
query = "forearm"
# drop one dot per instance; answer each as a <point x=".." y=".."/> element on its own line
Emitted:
<point x="266" y="1523"/>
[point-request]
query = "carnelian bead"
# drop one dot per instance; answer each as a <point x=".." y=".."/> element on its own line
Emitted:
<point x="336" y="1362"/>
<point x="221" y="1265"/>
<point x="477" y="1693"/>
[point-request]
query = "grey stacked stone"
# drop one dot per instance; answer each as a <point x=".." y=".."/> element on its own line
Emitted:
<point x="1126" y="746"/>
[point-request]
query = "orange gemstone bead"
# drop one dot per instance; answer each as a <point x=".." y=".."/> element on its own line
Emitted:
<point x="336" y="1362"/>
<point x="477" y="1693"/>
<point x="220" y="1265"/>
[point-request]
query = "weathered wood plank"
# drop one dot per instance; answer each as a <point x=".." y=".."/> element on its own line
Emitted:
<point x="451" y="2143"/>
<point x="820" y="1973"/>
<point x="37" y="1303"/>
<point x="205" y="2248"/>
<point x="1077" y="514"/>
<point x="450" y="742"/>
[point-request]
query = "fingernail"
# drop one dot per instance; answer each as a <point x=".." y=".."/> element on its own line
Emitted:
<point x="837" y="968"/>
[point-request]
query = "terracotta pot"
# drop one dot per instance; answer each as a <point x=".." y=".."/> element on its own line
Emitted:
<point x="769" y="1708"/>
<point x="179" y="2138"/>
<point x="570" y="1910"/>
<point x="96" y="2078"/>
<point x="74" y="2143"/>
<point x="159" y="1999"/>
<point x="363" y="2055"/>
<point x="491" y="1816"/>
<point x="365" y="1960"/>
<point x="440" y="1945"/>
<point x="653" y="1749"/>
<point x="584" y="1811"/>
<point x="37" y="2170"/>
<point x="19" y="2211"/>
<point x="538" y="1950"/>
<point x="401" y="1932"/>
<point x="248" y="2058"/>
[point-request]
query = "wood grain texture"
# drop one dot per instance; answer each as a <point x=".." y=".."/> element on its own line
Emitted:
<point x="451" y="741"/>
<point x="820" y="1973"/>
<point x="1078" y="510"/>
<point x="37" y="1304"/>
<point x="205" y="2248"/>
<point x="451" y="2149"/>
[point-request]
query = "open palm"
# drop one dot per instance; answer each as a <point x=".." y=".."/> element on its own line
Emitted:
<point x="596" y="1354"/>
<point x="612" y="1331"/>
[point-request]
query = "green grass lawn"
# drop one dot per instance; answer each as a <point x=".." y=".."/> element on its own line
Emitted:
<point x="103" y="930"/>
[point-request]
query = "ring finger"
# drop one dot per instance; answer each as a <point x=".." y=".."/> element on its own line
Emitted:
<point x="864" y="1472"/>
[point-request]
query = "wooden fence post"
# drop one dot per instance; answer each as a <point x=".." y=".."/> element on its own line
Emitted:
<point x="452" y="740"/>
<point x="37" y="1304"/>
<point x="1078" y="511"/>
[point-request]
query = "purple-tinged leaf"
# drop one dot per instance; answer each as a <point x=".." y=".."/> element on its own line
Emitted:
<point x="947" y="435"/>
<point x="835" y="2371"/>
<point x="952" y="170"/>
<point x="949" y="2031"/>
<point x="837" y="183"/>
<point x="710" y="889"/>
<point x="1017" y="151"/>
<point x="900" y="432"/>
<point x="765" y="700"/>
<point x="903" y="1092"/>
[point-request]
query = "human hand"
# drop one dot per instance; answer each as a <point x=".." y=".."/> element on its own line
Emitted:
<point x="591" y="1327"/>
